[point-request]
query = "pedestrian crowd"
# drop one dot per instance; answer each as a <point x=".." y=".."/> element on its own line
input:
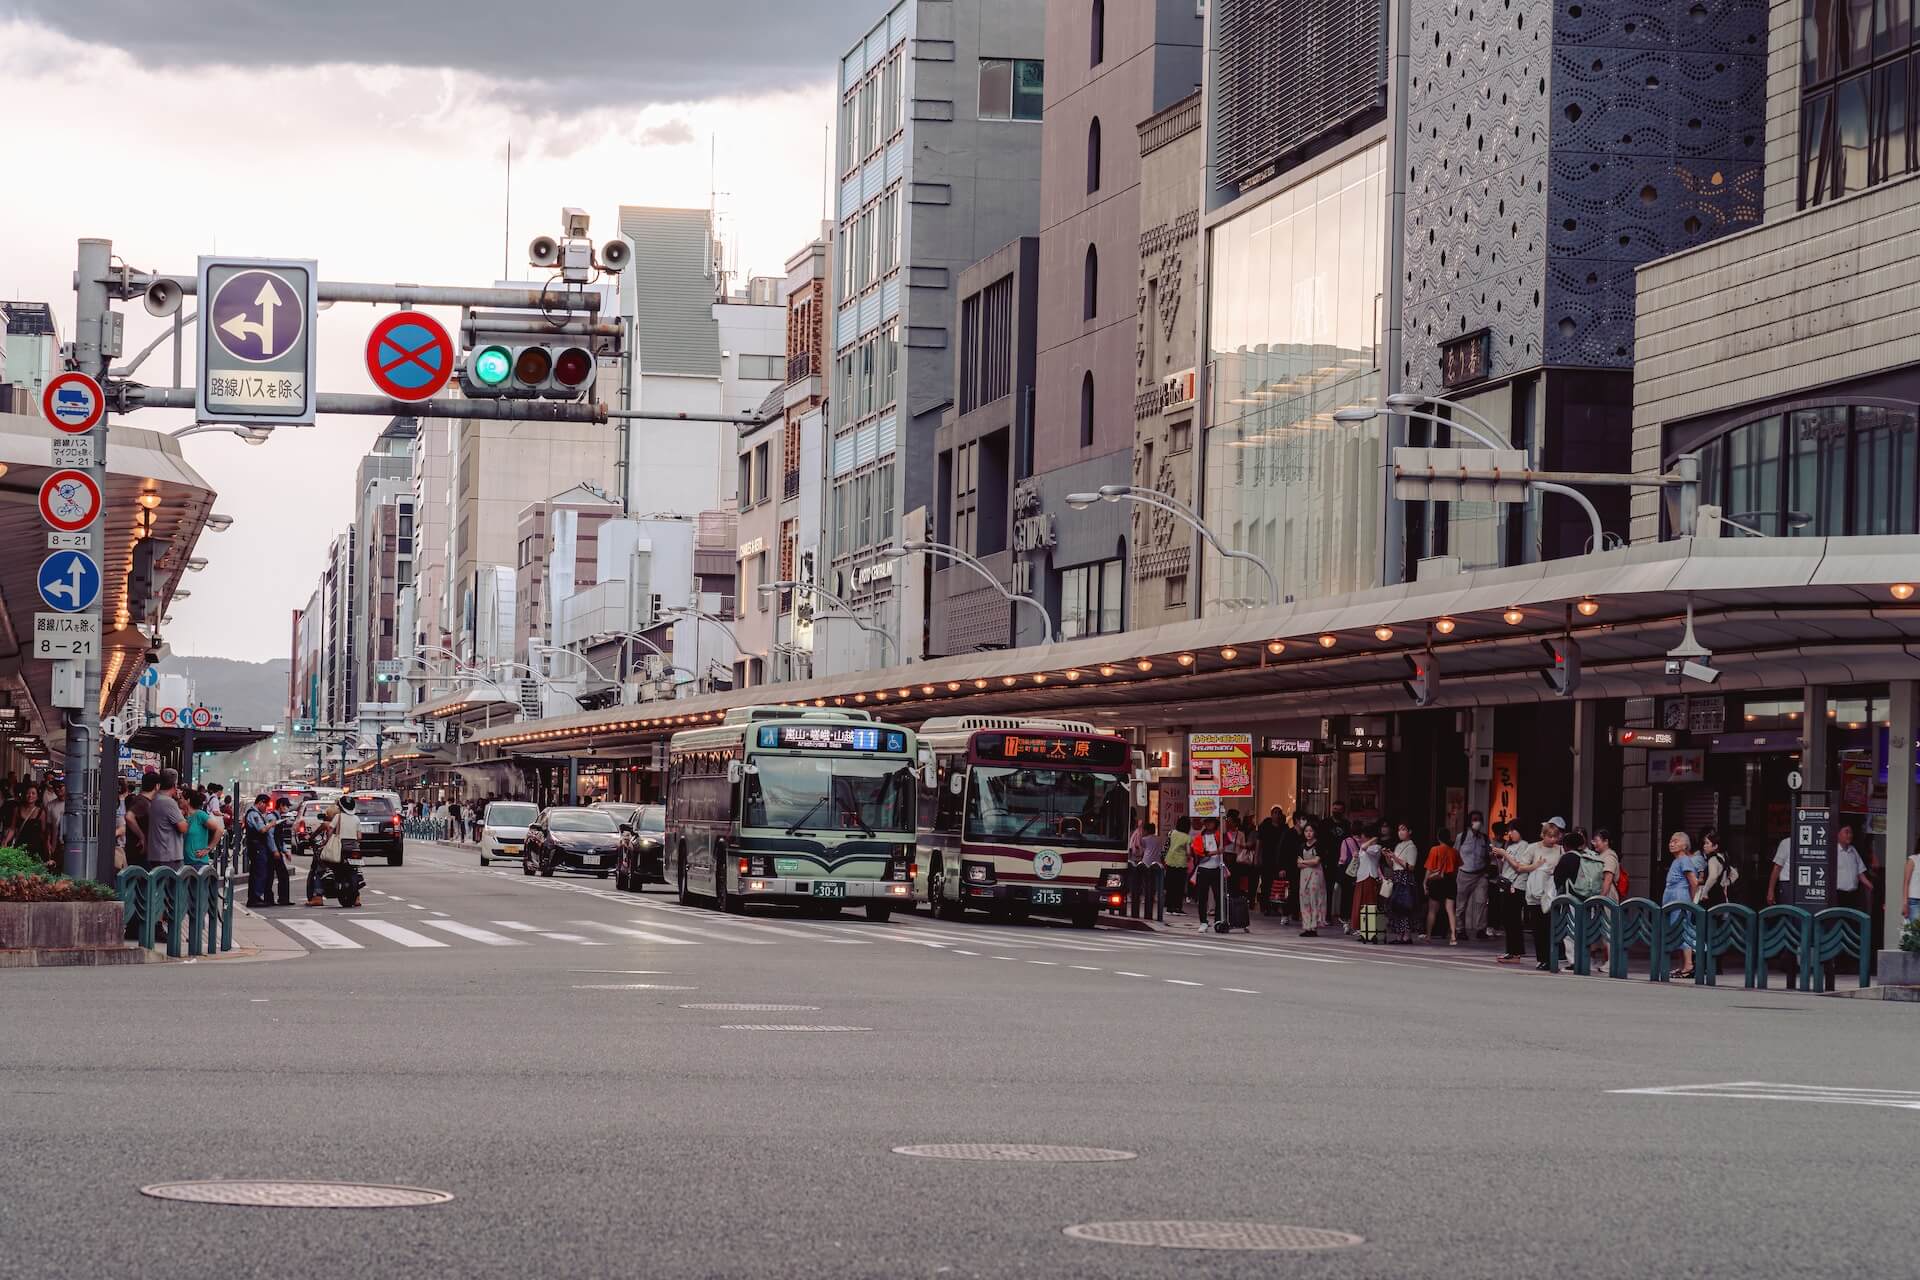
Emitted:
<point x="1379" y="883"/>
<point x="31" y="817"/>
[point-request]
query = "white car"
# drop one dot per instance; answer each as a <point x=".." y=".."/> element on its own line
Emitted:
<point x="503" y="829"/>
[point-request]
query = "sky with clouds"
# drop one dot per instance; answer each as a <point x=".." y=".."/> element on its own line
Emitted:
<point x="372" y="137"/>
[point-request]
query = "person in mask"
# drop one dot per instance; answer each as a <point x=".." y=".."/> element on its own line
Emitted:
<point x="1470" y="894"/>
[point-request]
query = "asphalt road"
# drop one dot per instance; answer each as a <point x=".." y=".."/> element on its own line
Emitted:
<point x="524" y="1044"/>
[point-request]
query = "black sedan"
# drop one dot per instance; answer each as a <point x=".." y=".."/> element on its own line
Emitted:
<point x="579" y="839"/>
<point x="643" y="835"/>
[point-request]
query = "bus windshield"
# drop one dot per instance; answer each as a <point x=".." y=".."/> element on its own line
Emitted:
<point x="807" y="793"/>
<point x="1074" y="807"/>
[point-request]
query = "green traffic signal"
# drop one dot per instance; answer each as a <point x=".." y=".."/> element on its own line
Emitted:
<point x="492" y="366"/>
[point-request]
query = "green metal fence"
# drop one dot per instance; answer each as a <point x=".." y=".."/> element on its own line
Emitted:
<point x="193" y="904"/>
<point x="1810" y="942"/>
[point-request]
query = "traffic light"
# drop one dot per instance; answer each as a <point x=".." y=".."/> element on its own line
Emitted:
<point x="526" y="370"/>
<point x="1563" y="665"/>
<point x="1423" y="682"/>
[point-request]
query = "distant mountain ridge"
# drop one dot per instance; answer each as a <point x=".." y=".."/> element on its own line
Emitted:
<point x="253" y="694"/>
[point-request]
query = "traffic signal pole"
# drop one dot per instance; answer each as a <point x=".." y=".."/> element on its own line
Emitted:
<point x="81" y="827"/>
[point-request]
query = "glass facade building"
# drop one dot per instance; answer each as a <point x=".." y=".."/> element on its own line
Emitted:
<point x="1294" y="333"/>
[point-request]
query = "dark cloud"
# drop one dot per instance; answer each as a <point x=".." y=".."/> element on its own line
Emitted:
<point x="548" y="58"/>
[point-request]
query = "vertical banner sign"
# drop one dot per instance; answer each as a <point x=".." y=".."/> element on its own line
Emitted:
<point x="1811" y="872"/>
<point x="1219" y="773"/>
<point x="1503" y="789"/>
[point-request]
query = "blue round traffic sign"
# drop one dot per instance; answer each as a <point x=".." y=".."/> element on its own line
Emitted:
<point x="69" y="581"/>
<point x="409" y="355"/>
<point x="257" y="316"/>
<point x="150" y="677"/>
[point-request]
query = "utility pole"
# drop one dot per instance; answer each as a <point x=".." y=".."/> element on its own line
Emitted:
<point x="82" y="835"/>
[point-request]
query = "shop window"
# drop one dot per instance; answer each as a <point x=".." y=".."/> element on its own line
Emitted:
<point x="1826" y="471"/>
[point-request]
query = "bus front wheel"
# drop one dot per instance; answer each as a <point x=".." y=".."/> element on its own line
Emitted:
<point x="937" y="897"/>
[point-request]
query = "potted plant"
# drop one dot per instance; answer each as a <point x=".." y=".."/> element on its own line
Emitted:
<point x="40" y="911"/>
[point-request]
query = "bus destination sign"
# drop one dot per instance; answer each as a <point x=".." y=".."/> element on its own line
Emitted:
<point x="833" y="737"/>
<point x="1052" y="748"/>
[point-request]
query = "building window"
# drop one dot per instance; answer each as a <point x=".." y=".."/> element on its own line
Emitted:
<point x="1097" y="53"/>
<point x="1086" y="409"/>
<point x="745" y="490"/>
<point x="1090" y="600"/>
<point x="763" y="368"/>
<point x="1859" y="72"/>
<point x="1826" y="471"/>
<point x="1090" y="285"/>
<point x="1176" y="591"/>
<point x="1011" y="88"/>
<point x="762" y="472"/>
<point x="986" y="345"/>
<point x="1093" y="156"/>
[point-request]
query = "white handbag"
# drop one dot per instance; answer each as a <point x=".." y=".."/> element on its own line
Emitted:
<point x="329" y="848"/>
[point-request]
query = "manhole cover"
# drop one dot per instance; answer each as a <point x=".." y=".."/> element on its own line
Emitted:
<point x="785" y="1026"/>
<point x="1013" y="1151"/>
<point x="629" y="986"/>
<point x="756" y="1008"/>
<point x="298" y="1195"/>
<point x="1213" y="1235"/>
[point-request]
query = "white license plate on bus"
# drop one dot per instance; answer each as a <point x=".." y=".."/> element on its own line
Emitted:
<point x="829" y="889"/>
<point x="1048" y="897"/>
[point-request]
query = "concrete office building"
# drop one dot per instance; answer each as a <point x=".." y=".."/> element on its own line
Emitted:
<point x="556" y="555"/>
<point x="937" y="164"/>
<point x="29" y="357"/>
<point x="985" y="446"/>
<point x="425" y="603"/>
<point x="1166" y="338"/>
<point x="1110" y="66"/>
<point x="385" y="519"/>
<point x="697" y="350"/>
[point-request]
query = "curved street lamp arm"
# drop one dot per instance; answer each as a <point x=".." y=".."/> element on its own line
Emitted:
<point x="972" y="562"/>
<point x="1593" y="515"/>
<point x="847" y="609"/>
<point x="1478" y="417"/>
<point x="577" y="657"/>
<point x="1179" y="509"/>
<point x="127" y="370"/>
<point x="1565" y="491"/>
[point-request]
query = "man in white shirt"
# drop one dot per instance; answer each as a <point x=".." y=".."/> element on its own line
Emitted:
<point x="1777" y="889"/>
<point x="1851" y="884"/>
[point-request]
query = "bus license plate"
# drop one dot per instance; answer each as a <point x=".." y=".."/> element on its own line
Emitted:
<point x="829" y="889"/>
<point x="1047" y="897"/>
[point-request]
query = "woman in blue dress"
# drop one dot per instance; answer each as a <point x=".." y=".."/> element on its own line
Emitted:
<point x="1683" y="880"/>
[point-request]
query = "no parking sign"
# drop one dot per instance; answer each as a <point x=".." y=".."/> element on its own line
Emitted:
<point x="409" y="355"/>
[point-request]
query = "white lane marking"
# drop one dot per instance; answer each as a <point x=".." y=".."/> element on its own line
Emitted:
<point x="757" y="926"/>
<point x="1182" y="982"/>
<point x="1049" y="963"/>
<point x="707" y="933"/>
<point x="1764" y="1091"/>
<point x="321" y="936"/>
<point x="487" y="936"/>
<point x="570" y="937"/>
<point x="1240" y="991"/>
<point x="1000" y="941"/>
<point x="885" y="935"/>
<point x="1087" y="968"/>
<point x="957" y="951"/>
<point x="640" y="935"/>
<point x="405" y="937"/>
<point x="441" y="914"/>
<point x="1221" y="948"/>
<point x="416" y="906"/>
<point x="517" y="925"/>
<point x="1000" y="957"/>
<point x="1122" y="973"/>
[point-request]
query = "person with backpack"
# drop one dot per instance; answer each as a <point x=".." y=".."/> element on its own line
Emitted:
<point x="1716" y="885"/>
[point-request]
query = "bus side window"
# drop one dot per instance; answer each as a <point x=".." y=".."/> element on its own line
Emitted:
<point x="947" y="817"/>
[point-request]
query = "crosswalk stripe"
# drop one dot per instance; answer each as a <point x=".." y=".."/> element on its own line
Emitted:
<point x="1035" y="940"/>
<point x="517" y="926"/>
<point x="321" y="936"/>
<point x="710" y="933"/>
<point x="405" y="937"/>
<point x="758" y="926"/>
<point x="487" y="936"/>
<point x="639" y="934"/>
<point x="571" y="937"/>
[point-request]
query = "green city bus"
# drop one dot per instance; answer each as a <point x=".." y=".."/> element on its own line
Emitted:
<point x="806" y="807"/>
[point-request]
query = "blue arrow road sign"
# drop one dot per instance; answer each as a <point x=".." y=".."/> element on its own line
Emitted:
<point x="257" y="316"/>
<point x="69" y="581"/>
<point x="150" y="677"/>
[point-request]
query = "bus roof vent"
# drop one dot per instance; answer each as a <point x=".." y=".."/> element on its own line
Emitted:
<point x="747" y="715"/>
<point x="967" y="724"/>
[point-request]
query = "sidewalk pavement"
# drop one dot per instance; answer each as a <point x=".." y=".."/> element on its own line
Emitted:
<point x="255" y="938"/>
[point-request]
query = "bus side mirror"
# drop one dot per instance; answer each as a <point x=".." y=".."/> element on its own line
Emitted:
<point x="736" y="772"/>
<point x="930" y="776"/>
<point x="957" y="782"/>
<point x="1140" y="795"/>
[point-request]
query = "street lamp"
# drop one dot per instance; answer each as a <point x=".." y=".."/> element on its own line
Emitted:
<point x="1180" y="510"/>
<point x="219" y="522"/>
<point x="250" y="434"/>
<point x="1397" y="406"/>
<point x="768" y="588"/>
<point x="948" y="551"/>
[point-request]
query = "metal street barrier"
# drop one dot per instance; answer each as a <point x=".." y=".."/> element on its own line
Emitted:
<point x="1811" y="941"/>
<point x="426" y="828"/>
<point x="196" y="903"/>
